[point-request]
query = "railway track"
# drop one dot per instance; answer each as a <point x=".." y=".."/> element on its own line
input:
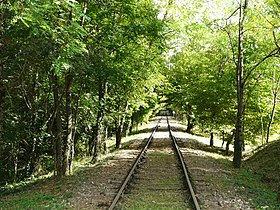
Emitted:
<point x="159" y="178"/>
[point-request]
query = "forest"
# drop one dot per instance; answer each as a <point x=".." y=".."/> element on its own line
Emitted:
<point x="75" y="73"/>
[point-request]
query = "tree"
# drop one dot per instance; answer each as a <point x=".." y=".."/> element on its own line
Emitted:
<point x="238" y="141"/>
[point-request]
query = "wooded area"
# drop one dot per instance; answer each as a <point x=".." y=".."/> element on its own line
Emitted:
<point x="74" y="73"/>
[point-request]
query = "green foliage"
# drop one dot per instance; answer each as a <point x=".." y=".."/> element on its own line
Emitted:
<point x="123" y="45"/>
<point x="202" y="66"/>
<point x="118" y="43"/>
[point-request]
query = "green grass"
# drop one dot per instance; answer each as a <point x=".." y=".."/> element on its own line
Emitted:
<point x="163" y="200"/>
<point x="262" y="196"/>
<point x="29" y="200"/>
<point x="246" y="182"/>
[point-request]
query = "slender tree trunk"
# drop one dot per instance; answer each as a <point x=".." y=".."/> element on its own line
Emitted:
<point x="2" y="97"/>
<point x="229" y="140"/>
<point x="275" y="91"/>
<point x="2" y="90"/>
<point x="127" y="127"/>
<point x="33" y="155"/>
<point x="278" y="167"/>
<point x="262" y="125"/>
<point x="131" y="125"/>
<point x="120" y="123"/>
<point x="105" y="149"/>
<point x="57" y="130"/>
<point x="278" y="197"/>
<point x="15" y="166"/>
<point x="278" y="194"/>
<point x="102" y="89"/>
<point x="68" y="142"/>
<point x="223" y="137"/>
<point x="75" y="120"/>
<point x="98" y="141"/>
<point x="211" y="139"/>
<point x="240" y="88"/>
<point x="118" y="134"/>
<point x="189" y="119"/>
<point x="91" y="141"/>
<point x="84" y="14"/>
<point x="227" y="146"/>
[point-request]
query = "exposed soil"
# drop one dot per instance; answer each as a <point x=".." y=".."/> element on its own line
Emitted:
<point x="208" y="177"/>
<point x="100" y="185"/>
<point x="95" y="186"/>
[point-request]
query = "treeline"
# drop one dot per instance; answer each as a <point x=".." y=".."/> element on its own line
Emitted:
<point x="225" y="78"/>
<point x="73" y="73"/>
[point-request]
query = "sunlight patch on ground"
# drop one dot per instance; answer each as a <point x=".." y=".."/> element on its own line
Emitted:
<point x="161" y="135"/>
<point x="187" y="136"/>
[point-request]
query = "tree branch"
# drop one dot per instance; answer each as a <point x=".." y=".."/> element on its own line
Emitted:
<point x="233" y="13"/>
<point x="275" y="39"/>
<point x="271" y="54"/>
<point x="170" y="2"/>
<point x="277" y="3"/>
<point x="232" y="48"/>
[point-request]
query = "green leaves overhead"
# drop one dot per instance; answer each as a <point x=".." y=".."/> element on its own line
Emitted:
<point x="204" y="57"/>
<point x="69" y="63"/>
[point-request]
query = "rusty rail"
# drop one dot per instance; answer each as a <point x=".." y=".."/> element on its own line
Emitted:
<point x="184" y="167"/>
<point x="132" y="170"/>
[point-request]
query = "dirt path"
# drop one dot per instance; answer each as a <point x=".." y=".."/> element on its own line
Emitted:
<point x="209" y="176"/>
<point x="95" y="186"/>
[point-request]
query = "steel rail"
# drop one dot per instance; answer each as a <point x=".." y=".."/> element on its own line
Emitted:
<point x="184" y="167"/>
<point x="132" y="170"/>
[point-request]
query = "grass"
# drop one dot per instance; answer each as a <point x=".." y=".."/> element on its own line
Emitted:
<point x="246" y="182"/>
<point x="46" y="192"/>
<point x="162" y="191"/>
<point x="262" y="196"/>
<point x="145" y="202"/>
<point x="256" y="181"/>
<point x="36" y="200"/>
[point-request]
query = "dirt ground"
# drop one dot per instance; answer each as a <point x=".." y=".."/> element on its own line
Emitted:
<point x="100" y="184"/>
<point x="95" y="186"/>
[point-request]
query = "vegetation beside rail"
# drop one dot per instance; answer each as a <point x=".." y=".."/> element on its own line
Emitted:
<point x="75" y="73"/>
<point x="52" y="192"/>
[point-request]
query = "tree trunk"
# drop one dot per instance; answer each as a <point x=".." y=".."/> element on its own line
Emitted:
<point x="262" y="126"/>
<point x="118" y="134"/>
<point x="278" y="167"/>
<point x="131" y="125"/>
<point x="229" y="140"/>
<point x="275" y="91"/>
<point x="127" y="127"/>
<point x="98" y="140"/>
<point x="120" y="123"/>
<point x="189" y="119"/>
<point x="105" y="149"/>
<point x="278" y="196"/>
<point x="68" y="141"/>
<point x="33" y="114"/>
<point x="211" y="139"/>
<point x="2" y="90"/>
<point x="227" y="146"/>
<point x="2" y="97"/>
<point x="223" y="137"/>
<point x="91" y="141"/>
<point x="240" y="88"/>
<point x="57" y="130"/>
<point x="15" y="166"/>
<point x="99" y="128"/>
<point x="75" y="120"/>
